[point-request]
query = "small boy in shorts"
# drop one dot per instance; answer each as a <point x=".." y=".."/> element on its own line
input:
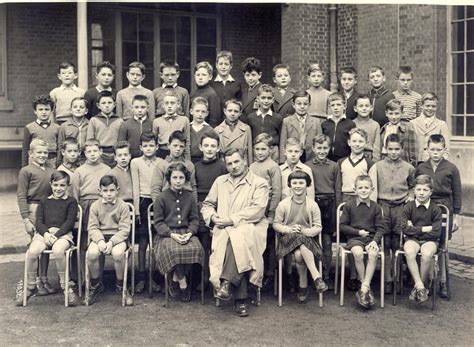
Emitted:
<point x="202" y="77"/>
<point x="105" y="74"/>
<point x="363" y="108"/>
<point x="224" y="84"/>
<point x="252" y="71"/>
<point x="283" y="93"/>
<point x="121" y="171"/>
<point x="410" y="99"/>
<point x="42" y="128"/>
<point x="348" y="82"/>
<point x="421" y="223"/>
<point x="362" y="222"/>
<point x="319" y="95"/>
<point x="198" y="127"/>
<point x="378" y="94"/>
<point x="109" y="229"/>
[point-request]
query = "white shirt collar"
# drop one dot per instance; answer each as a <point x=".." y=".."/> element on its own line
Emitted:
<point x="203" y="123"/>
<point x="101" y="90"/>
<point x="140" y="120"/>
<point x="426" y="204"/>
<point x="219" y="79"/>
<point x="164" y="86"/>
<point x="64" y="197"/>
<point x="109" y="203"/>
<point x="331" y="116"/>
<point x="268" y="113"/>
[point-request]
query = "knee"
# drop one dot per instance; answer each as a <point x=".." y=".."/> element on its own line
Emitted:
<point x="35" y="250"/>
<point x="59" y="252"/>
<point x="358" y="253"/>
<point x="426" y="255"/>
<point x="93" y="252"/>
<point x="117" y="253"/>
<point x="298" y="257"/>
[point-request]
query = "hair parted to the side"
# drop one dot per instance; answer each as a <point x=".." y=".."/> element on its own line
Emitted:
<point x="360" y="132"/>
<point x="91" y="143"/>
<point x="224" y="54"/>
<point x="66" y="65"/>
<point x="177" y="167"/>
<point x="301" y="94"/>
<point x="38" y="143"/>
<point x="177" y="135"/>
<point x="266" y="88"/>
<point x="138" y="65"/>
<point x="424" y="179"/>
<point x="393" y="105"/>
<point x="292" y="141"/>
<point x="69" y="141"/>
<point x="232" y="151"/>
<point x="200" y="100"/>
<point x="107" y="180"/>
<point x="105" y="94"/>
<point x="58" y="175"/>
<point x="363" y="178"/>
<point x="204" y="65"/>
<point x="429" y="96"/>
<point x="120" y="145"/>
<point x="147" y="137"/>
<point x="233" y="101"/>
<point x="348" y="70"/>
<point x="437" y="138"/>
<point x="299" y="175"/>
<point x="321" y="138"/>
<point x="263" y="138"/>
<point x="394" y="138"/>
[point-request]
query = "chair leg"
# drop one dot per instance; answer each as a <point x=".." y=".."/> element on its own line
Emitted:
<point x="167" y="299"/>
<point x="280" y="282"/>
<point x="202" y="284"/>
<point x="25" y="280"/>
<point x="275" y="282"/>
<point x="343" y="270"/>
<point x="395" y="278"/>
<point x="259" y="298"/>
<point x="132" y="270"/>
<point x="446" y="264"/>
<point x="87" y="279"/>
<point x="66" y="279"/>
<point x="125" y="274"/>
<point x="320" y="294"/>
<point x="79" y="272"/>
<point x="336" y="277"/>
<point x="150" y="273"/>
<point x="382" y="277"/>
<point x="435" y="283"/>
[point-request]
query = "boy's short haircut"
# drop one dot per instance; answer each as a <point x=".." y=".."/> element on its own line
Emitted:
<point x="251" y="64"/>
<point x="394" y="138"/>
<point x="171" y="93"/>
<point x="424" y="179"/>
<point x="429" y="96"/>
<point x="105" y="64"/>
<point x="292" y="141"/>
<point x="211" y="134"/>
<point x="91" y="143"/>
<point x="66" y="65"/>
<point x="140" y="97"/>
<point x="107" y="180"/>
<point x="177" y="167"/>
<point x="365" y="178"/>
<point x="363" y="96"/>
<point x="38" y="143"/>
<point x="137" y="64"/>
<point x="375" y="68"/>
<point x="265" y="88"/>
<point x="105" y="94"/>
<point x="233" y="101"/>
<point x="359" y="131"/>
<point x="280" y="66"/>
<point x="43" y="99"/>
<point x="58" y="175"/>
<point x="147" y="137"/>
<point x="224" y="54"/>
<point x="321" y="138"/>
<point x="436" y="138"/>
<point x="69" y="141"/>
<point x="404" y="69"/>
<point x="312" y="67"/>
<point x="121" y="144"/>
<point x="336" y="96"/>
<point x="80" y="98"/>
<point x="232" y="151"/>
<point x="263" y="138"/>
<point x="177" y="135"/>
<point x="301" y="94"/>
<point x="169" y="64"/>
<point x="205" y="65"/>
<point x="393" y="105"/>
<point x="299" y="175"/>
<point x="348" y="69"/>
<point x="200" y="100"/>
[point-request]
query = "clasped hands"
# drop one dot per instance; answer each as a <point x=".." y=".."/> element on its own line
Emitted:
<point x="221" y="222"/>
<point x="105" y="247"/>
<point x="181" y="239"/>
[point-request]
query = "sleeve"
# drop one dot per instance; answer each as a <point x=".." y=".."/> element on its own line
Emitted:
<point x="316" y="226"/>
<point x="283" y="138"/>
<point x="345" y="222"/>
<point x="256" y="209"/>
<point x="93" y="226"/>
<point x="159" y="218"/>
<point x="151" y="110"/>
<point x="187" y="133"/>
<point x="278" y="222"/>
<point x="61" y="138"/>
<point x="22" y="192"/>
<point x="76" y="184"/>
<point x="123" y="133"/>
<point x="52" y="94"/>
<point x="91" y="130"/>
<point x="275" y="190"/>
<point x="193" y="183"/>
<point x="185" y="103"/>
<point x="155" y="128"/>
<point x="209" y="205"/>
<point x="215" y="109"/>
<point x="311" y="189"/>
<point x="119" y="105"/>
<point x="157" y="181"/>
<point x="377" y="145"/>
<point x="25" y="146"/>
<point x="124" y="225"/>
<point x="457" y="190"/>
<point x="193" y="218"/>
<point x="379" y="224"/>
<point x="135" y="185"/>
<point x="436" y="219"/>
<point x="411" y="145"/>
<point x="373" y="176"/>
<point x="41" y="227"/>
<point x="248" y="134"/>
<point x="71" y="216"/>
<point x="405" y="216"/>
<point x="411" y="178"/>
<point x="338" y="187"/>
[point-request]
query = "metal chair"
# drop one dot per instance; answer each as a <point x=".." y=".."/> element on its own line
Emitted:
<point x="129" y="252"/>
<point x="397" y="264"/>
<point x="73" y="248"/>
<point x="340" y="250"/>
<point x="150" y="217"/>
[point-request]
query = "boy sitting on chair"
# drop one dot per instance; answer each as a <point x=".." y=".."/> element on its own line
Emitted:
<point x="362" y="222"/>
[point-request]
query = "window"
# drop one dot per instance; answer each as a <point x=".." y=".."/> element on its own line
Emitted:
<point x="5" y="104"/>
<point x="462" y="71"/>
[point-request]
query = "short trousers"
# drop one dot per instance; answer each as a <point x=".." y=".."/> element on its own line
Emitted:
<point x="67" y="237"/>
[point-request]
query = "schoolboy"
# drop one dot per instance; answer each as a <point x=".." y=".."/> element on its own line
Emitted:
<point x="325" y="173"/>
<point x="301" y="126"/>
<point x="198" y="127"/>
<point x="337" y="127"/>
<point x="121" y="171"/>
<point x="109" y="229"/>
<point x="142" y="169"/>
<point x="319" y="95"/>
<point x="224" y="84"/>
<point x="428" y="124"/>
<point x="135" y="76"/>
<point x="208" y="168"/>
<point x="75" y="127"/>
<point x="283" y="93"/>
<point x="42" y="128"/>
<point x="33" y="185"/>
<point x="410" y="99"/>
<point x="447" y="190"/>
<point x="63" y="95"/>
<point x="202" y="77"/>
<point x="105" y="74"/>
<point x="421" y="223"/>
<point x="252" y="71"/>
<point x="168" y="123"/>
<point x="176" y="145"/>
<point x="267" y="168"/>
<point x="363" y="107"/>
<point x="393" y="180"/>
<point x="348" y="82"/>
<point x="378" y="94"/>
<point x="134" y="127"/>
<point x="362" y="222"/>
<point x="169" y="73"/>
<point x="70" y="153"/>
<point x="264" y="120"/>
<point x="105" y="127"/>
<point x="394" y="111"/>
<point x="233" y="133"/>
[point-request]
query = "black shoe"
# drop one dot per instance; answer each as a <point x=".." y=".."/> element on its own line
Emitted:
<point x="241" y="310"/>
<point x="302" y="294"/>
<point x="173" y="289"/>
<point x="362" y="298"/>
<point x="223" y="293"/>
<point x="388" y="287"/>
<point x="422" y="294"/>
<point x="94" y="291"/>
<point x="185" y="294"/>
<point x="330" y="283"/>
<point x="268" y="284"/>
<point x="443" y="290"/>
<point x="320" y="285"/>
<point x="19" y="293"/>
<point x="353" y="285"/>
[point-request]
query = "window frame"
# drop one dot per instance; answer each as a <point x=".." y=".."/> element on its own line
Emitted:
<point x="5" y="103"/>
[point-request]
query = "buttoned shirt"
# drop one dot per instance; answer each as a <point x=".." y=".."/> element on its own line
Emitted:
<point x="219" y="79"/>
<point x="426" y="204"/>
<point x="360" y="201"/>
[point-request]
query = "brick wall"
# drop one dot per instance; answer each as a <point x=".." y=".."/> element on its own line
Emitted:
<point x="305" y="39"/>
<point x="346" y="36"/>
<point x="40" y="36"/>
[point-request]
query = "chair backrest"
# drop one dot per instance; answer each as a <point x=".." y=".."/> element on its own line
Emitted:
<point x="132" y="222"/>
<point x="338" y="221"/>
<point x="150" y="217"/>
<point x="445" y="223"/>
<point x="78" y="225"/>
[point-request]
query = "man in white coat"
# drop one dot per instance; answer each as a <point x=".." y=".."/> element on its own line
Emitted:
<point x="235" y="211"/>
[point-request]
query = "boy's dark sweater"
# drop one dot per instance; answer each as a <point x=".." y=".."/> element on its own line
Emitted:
<point x="91" y="98"/>
<point x="339" y="136"/>
<point x="270" y="125"/>
<point x="379" y="98"/>
<point x="231" y="90"/>
<point x="131" y="132"/>
<point x="215" y="113"/>
<point x="60" y="213"/>
<point x="350" y="103"/>
<point x="206" y="173"/>
<point x="355" y="218"/>
<point x="420" y="216"/>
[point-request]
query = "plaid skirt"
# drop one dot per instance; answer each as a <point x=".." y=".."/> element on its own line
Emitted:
<point x="169" y="253"/>
<point x="287" y="243"/>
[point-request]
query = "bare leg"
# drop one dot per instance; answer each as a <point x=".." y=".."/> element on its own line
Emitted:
<point x="427" y="251"/>
<point x="358" y="254"/>
<point x="411" y="250"/>
<point x="308" y="258"/>
<point x="302" y="269"/>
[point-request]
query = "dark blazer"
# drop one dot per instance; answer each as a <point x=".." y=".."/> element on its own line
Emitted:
<point x="249" y="102"/>
<point x="284" y="104"/>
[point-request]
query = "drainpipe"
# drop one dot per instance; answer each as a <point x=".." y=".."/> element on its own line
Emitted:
<point x="332" y="46"/>
<point x="82" y="54"/>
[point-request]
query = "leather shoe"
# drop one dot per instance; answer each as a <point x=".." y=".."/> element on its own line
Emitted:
<point x="224" y="291"/>
<point x="443" y="290"/>
<point x="302" y="294"/>
<point x="241" y="310"/>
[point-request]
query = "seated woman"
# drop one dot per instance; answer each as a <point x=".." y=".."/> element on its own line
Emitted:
<point x="298" y="220"/>
<point x="176" y="221"/>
